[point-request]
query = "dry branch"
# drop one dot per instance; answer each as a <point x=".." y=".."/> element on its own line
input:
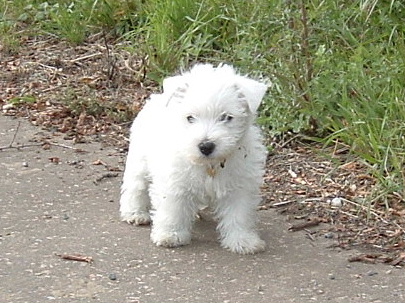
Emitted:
<point x="76" y="257"/>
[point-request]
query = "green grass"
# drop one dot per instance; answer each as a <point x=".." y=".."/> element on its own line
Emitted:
<point x="337" y="67"/>
<point x="72" y="20"/>
<point x="358" y="87"/>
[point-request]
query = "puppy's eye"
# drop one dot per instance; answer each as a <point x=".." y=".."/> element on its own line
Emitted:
<point x="225" y="118"/>
<point x="190" y="119"/>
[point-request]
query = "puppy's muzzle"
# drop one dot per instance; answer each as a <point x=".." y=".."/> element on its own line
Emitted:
<point x="206" y="148"/>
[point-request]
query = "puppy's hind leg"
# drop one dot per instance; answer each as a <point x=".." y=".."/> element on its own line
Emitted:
<point x="135" y="201"/>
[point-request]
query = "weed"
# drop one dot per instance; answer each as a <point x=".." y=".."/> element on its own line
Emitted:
<point x="22" y="100"/>
<point x="8" y="38"/>
<point x="90" y="104"/>
<point x="72" y="20"/>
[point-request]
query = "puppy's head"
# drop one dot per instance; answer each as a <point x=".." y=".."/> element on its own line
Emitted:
<point x="212" y="109"/>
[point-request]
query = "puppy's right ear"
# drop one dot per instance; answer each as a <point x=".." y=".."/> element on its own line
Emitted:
<point x="253" y="91"/>
<point x="175" y="88"/>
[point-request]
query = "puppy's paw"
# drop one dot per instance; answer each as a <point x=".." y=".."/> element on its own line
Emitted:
<point x="244" y="243"/>
<point x="170" y="238"/>
<point x="137" y="218"/>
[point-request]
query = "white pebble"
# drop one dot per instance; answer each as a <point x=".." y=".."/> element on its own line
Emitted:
<point x="8" y="106"/>
<point x="336" y="202"/>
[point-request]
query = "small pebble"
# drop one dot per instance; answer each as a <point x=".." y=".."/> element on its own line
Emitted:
<point x="336" y="202"/>
<point x="112" y="277"/>
<point x="372" y="273"/>
<point x="25" y="164"/>
<point x="65" y="217"/>
<point x="8" y="106"/>
<point x="329" y="235"/>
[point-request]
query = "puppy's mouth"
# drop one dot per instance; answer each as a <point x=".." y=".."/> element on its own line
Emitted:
<point x="208" y="155"/>
<point x="210" y="160"/>
<point x="212" y="170"/>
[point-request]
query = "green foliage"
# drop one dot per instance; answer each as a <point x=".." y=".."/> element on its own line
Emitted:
<point x="72" y="20"/>
<point x="90" y="104"/>
<point x="8" y="38"/>
<point x="358" y="85"/>
<point x="176" y="33"/>
<point x="22" y="100"/>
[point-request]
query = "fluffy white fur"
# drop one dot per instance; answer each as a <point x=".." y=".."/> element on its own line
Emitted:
<point x="193" y="146"/>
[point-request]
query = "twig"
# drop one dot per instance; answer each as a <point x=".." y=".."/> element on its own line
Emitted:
<point x="362" y="206"/>
<point x="15" y="134"/>
<point x="79" y="258"/>
<point x="305" y="43"/>
<point x="283" y="203"/>
<point x="10" y="146"/>
<point x="400" y="259"/>
<point x="348" y="214"/>
<point x="21" y="146"/>
<point x="43" y="65"/>
<point x="66" y="146"/>
<point x="111" y="60"/>
<point x="374" y="212"/>
<point x="289" y="141"/>
<point x="104" y="176"/>
<point x="309" y="200"/>
<point x="85" y="57"/>
<point x="50" y="89"/>
<point x="301" y="226"/>
<point x="13" y="139"/>
<point x="367" y="258"/>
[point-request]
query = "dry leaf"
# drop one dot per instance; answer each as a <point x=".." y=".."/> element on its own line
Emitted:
<point x="99" y="162"/>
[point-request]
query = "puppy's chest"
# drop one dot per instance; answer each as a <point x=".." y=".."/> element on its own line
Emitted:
<point x="217" y="181"/>
<point x="210" y="188"/>
<point x="213" y="188"/>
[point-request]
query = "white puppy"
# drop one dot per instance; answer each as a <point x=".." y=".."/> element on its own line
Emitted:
<point x="193" y="146"/>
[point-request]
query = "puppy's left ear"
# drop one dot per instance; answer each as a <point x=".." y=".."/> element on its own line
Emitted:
<point x="174" y="88"/>
<point x="253" y="91"/>
<point x="172" y="84"/>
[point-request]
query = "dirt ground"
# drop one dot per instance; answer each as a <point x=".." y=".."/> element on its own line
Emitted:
<point x="60" y="200"/>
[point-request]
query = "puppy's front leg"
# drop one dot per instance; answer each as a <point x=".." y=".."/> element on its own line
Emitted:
<point x="172" y="220"/>
<point x="237" y="225"/>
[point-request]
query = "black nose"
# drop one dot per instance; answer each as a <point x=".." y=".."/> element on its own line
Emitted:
<point x="206" y="148"/>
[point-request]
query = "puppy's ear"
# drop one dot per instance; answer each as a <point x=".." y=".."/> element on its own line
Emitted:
<point x="172" y="84"/>
<point x="175" y="88"/>
<point x="252" y="90"/>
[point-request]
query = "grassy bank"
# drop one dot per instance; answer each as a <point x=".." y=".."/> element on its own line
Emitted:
<point x="337" y="67"/>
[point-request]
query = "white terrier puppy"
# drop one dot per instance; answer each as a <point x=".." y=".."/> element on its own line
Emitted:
<point x="193" y="146"/>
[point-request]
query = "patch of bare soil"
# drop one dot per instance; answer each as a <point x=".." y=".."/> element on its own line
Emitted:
<point x="312" y="188"/>
<point x="93" y="91"/>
